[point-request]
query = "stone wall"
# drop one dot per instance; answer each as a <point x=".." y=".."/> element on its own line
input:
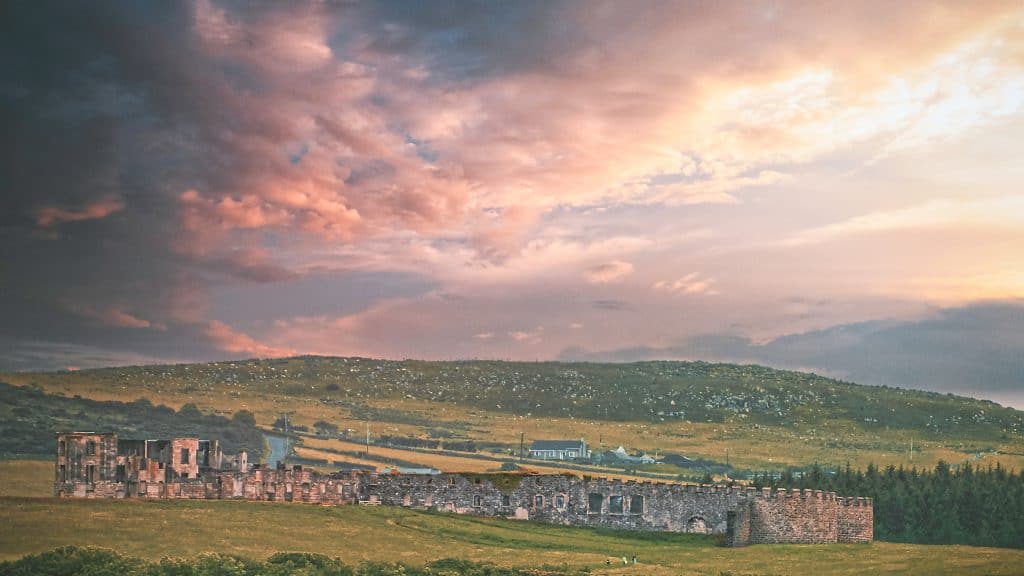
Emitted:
<point x="90" y="466"/>
<point x="86" y="465"/>
<point x="797" y="517"/>
<point x="567" y="500"/>
<point x="856" y="520"/>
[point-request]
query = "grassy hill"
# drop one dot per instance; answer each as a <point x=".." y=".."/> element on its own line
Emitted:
<point x="755" y="416"/>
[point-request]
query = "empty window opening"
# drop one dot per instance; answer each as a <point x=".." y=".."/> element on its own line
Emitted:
<point x="560" y="501"/>
<point x="61" y="448"/>
<point x="538" y="501"/>
<point x="120" y="473"/>
<point x="506" y="501"/>
<point x="62" y="474"/>
<point x="90" y="448"/>
<point x="185" y="456"/>
<point x="615" y="504"/>
<point x="697" y="525"/>
<point x="636" y="504"/>
<point x="478" y="501"/>
<point x="594" y="502"/>
<point x="90" y="473"/>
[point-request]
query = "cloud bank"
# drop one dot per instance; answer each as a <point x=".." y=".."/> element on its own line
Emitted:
<point x="204" y="179"/>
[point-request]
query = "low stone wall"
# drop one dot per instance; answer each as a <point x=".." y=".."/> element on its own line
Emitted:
<point x="566" y="500"/>
<point x="744" y="515"/>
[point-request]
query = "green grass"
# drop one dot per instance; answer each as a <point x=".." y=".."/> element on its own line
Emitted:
<point x="26" y="478"/>
<point x="353" y="533"/>
<point x="154" y="529"/>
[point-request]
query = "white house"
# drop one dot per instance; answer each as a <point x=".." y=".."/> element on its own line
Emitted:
<point x="559" y="449"/>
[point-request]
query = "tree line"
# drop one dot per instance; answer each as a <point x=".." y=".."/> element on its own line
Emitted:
<point x="944" y="505"/>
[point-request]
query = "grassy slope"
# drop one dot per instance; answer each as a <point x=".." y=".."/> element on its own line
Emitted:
<point x="758" y="416"/>
<point x="182" y="528"/>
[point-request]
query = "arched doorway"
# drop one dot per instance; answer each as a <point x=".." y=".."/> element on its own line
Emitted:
<point x="696" y="525"/>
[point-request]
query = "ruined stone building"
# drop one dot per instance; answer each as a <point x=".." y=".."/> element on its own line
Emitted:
<point x="92" y="465"/>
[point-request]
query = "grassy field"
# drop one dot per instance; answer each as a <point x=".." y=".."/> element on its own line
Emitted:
<point x="34" y="522"/>
<point x="823" y="421"/>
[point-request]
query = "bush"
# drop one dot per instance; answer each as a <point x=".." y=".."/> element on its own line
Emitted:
<point x="75" y="561"/>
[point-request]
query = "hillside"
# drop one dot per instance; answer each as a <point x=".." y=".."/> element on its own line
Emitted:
<point x="758" y="415"/>
<point x="29" y="419"/>
<point x="656" y="391"/>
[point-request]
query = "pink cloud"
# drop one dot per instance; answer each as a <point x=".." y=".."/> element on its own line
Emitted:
<point x="48" y="216"/>
<point x="612" y="271"/>
<point x="117" y="316"/>
<point x="345" y="141"/>
<point x="690" y="284"/>
<point x="225" y="338"/>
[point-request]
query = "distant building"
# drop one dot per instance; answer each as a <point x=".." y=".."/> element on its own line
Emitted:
<point x="621" y="456"/>
<point x="559" y="449"/>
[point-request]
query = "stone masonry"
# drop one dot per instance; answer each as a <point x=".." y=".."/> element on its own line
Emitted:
<point x="93" y="465"/>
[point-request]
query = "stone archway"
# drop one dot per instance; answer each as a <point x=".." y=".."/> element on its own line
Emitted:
<point x="697" y="525"/>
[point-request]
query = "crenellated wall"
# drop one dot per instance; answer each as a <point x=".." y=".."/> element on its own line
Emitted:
<point x="856" y="519"/>
<point x="793" y="517"/>
<point x="170" y="469"/>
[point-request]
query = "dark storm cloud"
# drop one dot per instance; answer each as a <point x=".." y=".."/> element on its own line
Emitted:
<point x="469" y="40"/>
<point x="93" y="105"/>
<point x="974" y="350"/>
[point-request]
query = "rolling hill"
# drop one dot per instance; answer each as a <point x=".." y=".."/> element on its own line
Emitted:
<point x="756" y="415"/>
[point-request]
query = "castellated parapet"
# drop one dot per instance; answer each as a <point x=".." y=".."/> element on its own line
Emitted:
<point x="99" y="466"/>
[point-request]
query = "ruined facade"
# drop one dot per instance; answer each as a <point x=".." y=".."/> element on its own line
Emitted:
<point x="99" y="466"/>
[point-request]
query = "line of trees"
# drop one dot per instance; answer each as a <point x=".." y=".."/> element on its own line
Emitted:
<point x="946" y="505"/>
<point x="29" y="418"/>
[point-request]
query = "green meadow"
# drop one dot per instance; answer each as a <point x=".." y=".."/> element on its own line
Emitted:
<point x="34" y="522"/>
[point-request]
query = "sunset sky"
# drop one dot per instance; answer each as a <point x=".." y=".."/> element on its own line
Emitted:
<point x="829" y="186"/>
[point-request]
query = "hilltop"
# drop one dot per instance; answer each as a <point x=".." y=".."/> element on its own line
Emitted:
<point x="711" y="408"/>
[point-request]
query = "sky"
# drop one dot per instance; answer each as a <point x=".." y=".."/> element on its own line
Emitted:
<point x="826" y="186"/>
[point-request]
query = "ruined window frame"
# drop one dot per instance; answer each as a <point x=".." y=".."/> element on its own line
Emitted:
<point x="593" y="497"/>
<point x="478" y="501"/>
<point x="561" y="501"/>
<point x="538" y="501"/>
<point x="506" y="501"/>
<point x="612" y="499"/>
<point x="633" y="508"/>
